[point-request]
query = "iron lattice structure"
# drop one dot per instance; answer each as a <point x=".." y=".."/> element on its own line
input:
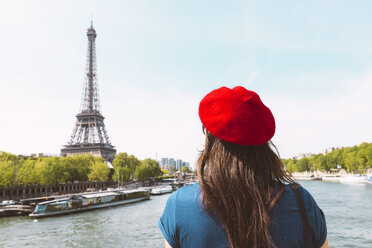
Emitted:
<point x="89" y="135"/>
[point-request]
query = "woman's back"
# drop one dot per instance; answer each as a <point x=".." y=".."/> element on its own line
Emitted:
<point x="185" y="224"/>
<point x="243" y="184"/>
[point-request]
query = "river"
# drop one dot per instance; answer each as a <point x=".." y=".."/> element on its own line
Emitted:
<point x="348" y="209"/>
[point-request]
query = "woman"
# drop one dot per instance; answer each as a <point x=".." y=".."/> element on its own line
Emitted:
<point x="244" y="197"/>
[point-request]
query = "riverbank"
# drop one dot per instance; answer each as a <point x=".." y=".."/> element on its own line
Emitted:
<point x="318" y="175"/>
<point x="16" y="193"/>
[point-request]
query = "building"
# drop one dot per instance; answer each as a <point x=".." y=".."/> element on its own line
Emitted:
<point x="179" y="164"/>
<point x="89" y="135"/>
<point x="304" y="155"/>
<point x="331" y="149"/>
<point x="164" y="163"/>
<point x="172" y="162"/>
<point x="168" y="163"/>
<point x="37" y="155"/>
<point x="187" y="164"/>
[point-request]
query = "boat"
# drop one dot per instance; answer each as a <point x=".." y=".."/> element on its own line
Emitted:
<point x="190" y="183"/>
<point x="333" y="179"/>
<point x="88" y="201"/>
<point x="369" y="179"/>
<point x="15" y="210"/>
<point x="311" y="178"/>
<point x="7" y="203"/>
<point x="162" y="190"/>
<point x="358" y="179"/>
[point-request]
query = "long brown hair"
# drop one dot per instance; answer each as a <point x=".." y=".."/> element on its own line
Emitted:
<point x="241" y="185"/>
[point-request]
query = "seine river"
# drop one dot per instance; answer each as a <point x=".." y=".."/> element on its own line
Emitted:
<point x="348" y="209"/>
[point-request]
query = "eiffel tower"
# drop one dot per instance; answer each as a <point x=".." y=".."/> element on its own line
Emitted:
<point x="89" y="135"/>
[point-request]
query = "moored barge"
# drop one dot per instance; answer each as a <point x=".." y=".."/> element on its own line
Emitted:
<point x="88" y="201"/>
<point x="162" y="190"/>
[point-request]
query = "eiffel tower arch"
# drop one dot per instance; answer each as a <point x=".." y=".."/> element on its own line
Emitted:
<point x="89" y="135"/>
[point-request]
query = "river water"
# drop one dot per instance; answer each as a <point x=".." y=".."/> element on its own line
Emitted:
<point x="348" y="209"/>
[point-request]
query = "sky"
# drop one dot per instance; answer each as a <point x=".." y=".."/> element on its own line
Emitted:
<point x="310" y="62"/>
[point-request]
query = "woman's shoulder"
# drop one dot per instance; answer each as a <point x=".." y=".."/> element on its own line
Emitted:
<point x="287" y="214"/>
<point x="184" y="194"/>
<point x="290" y="195"/>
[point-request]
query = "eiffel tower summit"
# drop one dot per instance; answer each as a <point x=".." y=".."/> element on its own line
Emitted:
<point x="89" y="135"/>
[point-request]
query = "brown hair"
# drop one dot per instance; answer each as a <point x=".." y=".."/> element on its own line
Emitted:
<point x="241" y="185"/>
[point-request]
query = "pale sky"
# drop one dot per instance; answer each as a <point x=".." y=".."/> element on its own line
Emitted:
<point x="310" y="61"/>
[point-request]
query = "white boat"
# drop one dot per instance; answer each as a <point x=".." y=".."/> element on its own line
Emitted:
<point x="7" y="203"/>
<point x="190" y="183"/>
<point x="369" y="179"/>
<point x="358" y="179"/>
<point x="333" y="179"/>
<point x="88" y="201"/>
<point x="162" y="190"/>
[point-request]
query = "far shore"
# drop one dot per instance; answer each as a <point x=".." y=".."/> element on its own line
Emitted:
<point x="318" y="175"/>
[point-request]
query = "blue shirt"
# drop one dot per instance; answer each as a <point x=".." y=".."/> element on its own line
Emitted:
<point x="185" y="224"/>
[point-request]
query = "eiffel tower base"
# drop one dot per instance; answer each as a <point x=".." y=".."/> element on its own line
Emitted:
<point x="97" y="150"/>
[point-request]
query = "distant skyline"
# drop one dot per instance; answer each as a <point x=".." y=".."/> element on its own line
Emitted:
<point x="310" y="61"/>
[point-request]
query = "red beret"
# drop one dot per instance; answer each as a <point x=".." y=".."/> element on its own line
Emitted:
<point x="237" y="115"/>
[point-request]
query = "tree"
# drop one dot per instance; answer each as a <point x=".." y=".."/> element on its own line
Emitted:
<point x="323" y="163"/>
<point x="303" y="165"/>
<point x="165" y="172"/>
<point x="99" y="170"/>
<point x="363" y="145"/>
<point x="49" y="171"/>
<point x="122" y="174"/>
<point x="369" y="155"/>
<point x="4" y="156"/>
<point x="81" y="164"/>
<point x="7" y="173"/>
<point x="8" y="168"/>
<point x="185" y="169"/>
<point x="26" y="173"/>
<point x="351" y="162"/>
<point x="148" y="168"/>
<point x="143" y="172"/>
<point x="291" y="167"/>
<point x="314" y="162"/>
<point x="361" y="157"/>
<point x="338" y="157"/>
<point x="124" y="160"/>
<point x="330" y="162"/>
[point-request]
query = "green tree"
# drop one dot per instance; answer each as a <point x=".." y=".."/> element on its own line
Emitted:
<point x="369" y="155"/>
<point x="330" y="162"/>
<point x="363" y="145"/>
<point x="49" y="171"/>
<point x="185" y="169"/>
<point x="99" y="170"/>
<point x="314" y="161"/>
<point x="338" y="157"/>
<point x="124" y="160"/>
<point x="148" y="168"/>
<point x="165" y="172"/>
<point x="351" y="162"/>
<point x="143" y="172"/>
<point x="80" y="167"/>
<point x="26" y="173"/>
<point x="323" y="163"/>
<point x="291" y="166"/>
<point x="8" y="169"/>
<point x="7" y="173"/>
<point x="361" y="157"/>
<point x="122" y="174"/>
<point x="302" y="165"/>
<point x="4" y="156"/>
